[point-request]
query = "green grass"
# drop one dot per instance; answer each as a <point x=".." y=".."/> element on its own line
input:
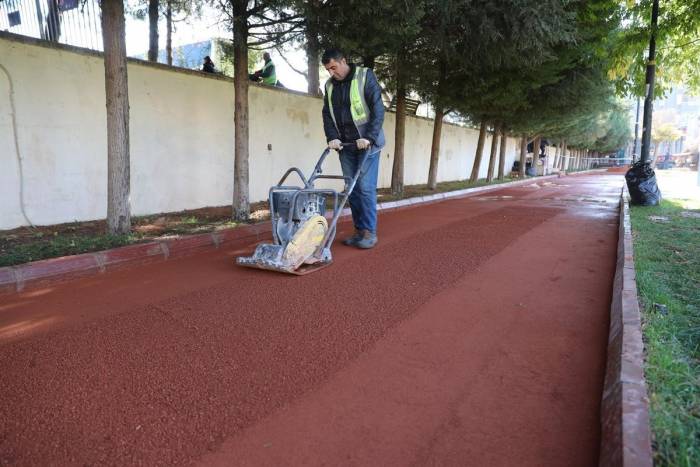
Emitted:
<point x="410" y="191"/>
<point x="667" y="260"/>
<point x="62" y="245"/>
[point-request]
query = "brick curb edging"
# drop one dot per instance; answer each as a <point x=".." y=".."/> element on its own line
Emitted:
<point x="15" y="279"/>
<point x="625" y="432"/>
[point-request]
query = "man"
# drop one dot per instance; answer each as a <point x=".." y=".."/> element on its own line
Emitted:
<point x="208" y="65"/>
<point x="265" y="75"/>
<point x="353" y="112"/>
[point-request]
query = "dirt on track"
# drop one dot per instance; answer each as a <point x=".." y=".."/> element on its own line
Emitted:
<point x="475" y="333"/>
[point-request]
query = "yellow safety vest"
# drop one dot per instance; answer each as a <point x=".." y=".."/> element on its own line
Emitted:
<point x="272" y="79"/>
<point x="358" y="106"/>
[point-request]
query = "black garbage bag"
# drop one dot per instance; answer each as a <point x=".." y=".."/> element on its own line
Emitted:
<point x="641" y="183"/>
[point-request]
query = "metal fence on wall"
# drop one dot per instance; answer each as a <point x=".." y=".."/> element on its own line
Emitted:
<point x="72" y="22"/>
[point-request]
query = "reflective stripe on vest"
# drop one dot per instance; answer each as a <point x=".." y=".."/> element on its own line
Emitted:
<point x="272" y="79"/>
<point x="358" y="106"/>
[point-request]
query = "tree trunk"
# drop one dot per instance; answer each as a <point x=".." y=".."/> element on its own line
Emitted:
<point x="494" y="148"/>
<point x="579" y="157"/>
<point x="502" y="155"/>
<point x="169" y="32"/>
<point x="312" y="51"/>
<point x="153" y="27"/>
<point x="563" y="158"/>
<point x="523" y="155"/>
<point x="561" y="155"/>
<point x="479" y="150"/>
<point x="400" y="131"/>
<point x="581" y="153"/>
<point x="241" y="201"/>
<point x="435" y="149"/>
<point x="571" y="162"/>
<point x="535" y="153"/>
<point x="117" y="94"/>
<point x="555" y="162"/>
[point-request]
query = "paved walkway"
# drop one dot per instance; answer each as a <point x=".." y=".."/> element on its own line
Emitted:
<point x="474" y="334"/>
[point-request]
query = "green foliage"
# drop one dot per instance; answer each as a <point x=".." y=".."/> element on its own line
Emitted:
<point x="614" y="125"/>
<point x="677" y="47"/>
<point x="575" y="98"/>
<point x="382" y="34"/>
<point x="62" y="245"/>
<point x="411" y="191"/>
<point x="538" y="67"/>
<point x="369" y="29"/>
<point x="268" y="23"/>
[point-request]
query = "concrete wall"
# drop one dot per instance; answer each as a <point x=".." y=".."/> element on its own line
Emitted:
<point x="52" y="103"/>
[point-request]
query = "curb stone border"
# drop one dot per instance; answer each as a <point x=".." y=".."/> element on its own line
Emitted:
<point x="14" y="279"/>
<point x="625" y="431"/>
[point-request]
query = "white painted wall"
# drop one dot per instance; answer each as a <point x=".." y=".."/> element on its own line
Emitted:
<point x="182" y="138"/>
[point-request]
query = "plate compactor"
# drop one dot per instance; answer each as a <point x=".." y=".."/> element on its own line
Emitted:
<point x="301" y="233"/>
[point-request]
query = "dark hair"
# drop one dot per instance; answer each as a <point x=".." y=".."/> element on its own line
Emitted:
<point x="206" y="59"/>
<point x="332" y="54"/>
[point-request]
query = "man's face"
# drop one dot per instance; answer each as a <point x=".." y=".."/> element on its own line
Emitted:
<point x="338" y="69"/>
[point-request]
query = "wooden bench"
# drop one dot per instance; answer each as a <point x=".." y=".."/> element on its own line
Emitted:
<point x="411" y="105"/>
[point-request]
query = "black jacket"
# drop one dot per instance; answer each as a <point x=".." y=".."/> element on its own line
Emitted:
<point x="346" y="131"/>
<point x="208" y="67"/>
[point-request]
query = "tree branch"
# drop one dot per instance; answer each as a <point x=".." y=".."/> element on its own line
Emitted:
<point x="274" y="22"/>
<point x="305" y="75"/>
<point x="264" y="42"/>
<point x="683" y="45"/>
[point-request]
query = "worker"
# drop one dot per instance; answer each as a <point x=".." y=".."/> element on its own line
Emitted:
<point x="208" y="65"/>
<point x="267" y="74"/>
<point x="353" y="112"/>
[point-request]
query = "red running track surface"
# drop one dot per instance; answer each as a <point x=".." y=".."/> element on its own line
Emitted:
<point x="473" y="334"/>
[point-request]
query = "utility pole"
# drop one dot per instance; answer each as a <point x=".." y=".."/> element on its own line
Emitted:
<point x="649" y="87"/>
<point x="635" y="148"/>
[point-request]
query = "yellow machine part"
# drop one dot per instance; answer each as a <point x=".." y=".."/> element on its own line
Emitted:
<point x="305" y="242"/>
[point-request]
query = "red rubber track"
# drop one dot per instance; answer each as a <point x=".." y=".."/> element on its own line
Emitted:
<point x="473" y="334"/>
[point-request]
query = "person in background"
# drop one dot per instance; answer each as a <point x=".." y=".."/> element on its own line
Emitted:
<point x="267" y="74"/>
<point x="208" y="65"/>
